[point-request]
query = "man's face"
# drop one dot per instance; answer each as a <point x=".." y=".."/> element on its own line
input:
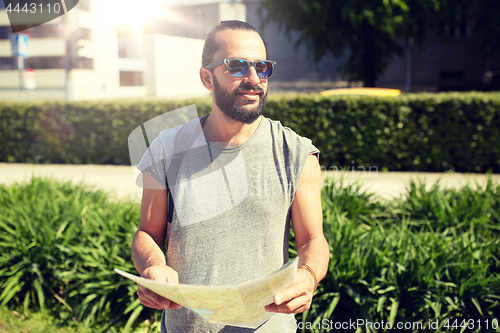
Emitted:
<point x="228" y="103"/>
<point x="240" y="99"/>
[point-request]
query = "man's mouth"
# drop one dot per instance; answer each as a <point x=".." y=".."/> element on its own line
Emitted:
<point x="249" y="94"/>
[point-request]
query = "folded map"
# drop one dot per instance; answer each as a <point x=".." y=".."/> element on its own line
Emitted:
<point x="237" y="305"/>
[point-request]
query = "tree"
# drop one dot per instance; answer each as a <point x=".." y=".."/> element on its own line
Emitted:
<point x="371" y="30"/>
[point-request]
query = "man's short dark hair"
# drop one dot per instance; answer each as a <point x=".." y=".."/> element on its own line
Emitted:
<point x="212" y="46"/>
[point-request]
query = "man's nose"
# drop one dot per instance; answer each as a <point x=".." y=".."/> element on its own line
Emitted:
<point x="252" y="76"/>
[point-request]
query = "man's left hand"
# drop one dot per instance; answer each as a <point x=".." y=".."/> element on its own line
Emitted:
<point x="297" y="298"/>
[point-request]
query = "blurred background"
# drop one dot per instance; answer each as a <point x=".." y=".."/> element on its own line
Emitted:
<point x="113" y="49"/>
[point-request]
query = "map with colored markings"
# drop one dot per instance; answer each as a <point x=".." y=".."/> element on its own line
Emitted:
<point x="238" y="305"/>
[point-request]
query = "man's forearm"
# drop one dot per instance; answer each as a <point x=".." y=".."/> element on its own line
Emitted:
<point x="146" y="252"/>
<point x="315" y="253"/>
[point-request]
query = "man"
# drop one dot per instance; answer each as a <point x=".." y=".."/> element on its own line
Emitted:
<point x="277" y="176"/>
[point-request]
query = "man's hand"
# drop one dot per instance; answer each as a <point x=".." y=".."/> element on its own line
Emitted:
<point x="152" y="299"/>
<point x="297" y="298"/>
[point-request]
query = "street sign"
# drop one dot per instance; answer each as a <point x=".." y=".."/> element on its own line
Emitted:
<point x="20" y="45"/>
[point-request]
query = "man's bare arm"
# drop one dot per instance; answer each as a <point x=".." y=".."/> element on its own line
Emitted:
<point x="312" y="248"/>
<point x="149" y="241"/>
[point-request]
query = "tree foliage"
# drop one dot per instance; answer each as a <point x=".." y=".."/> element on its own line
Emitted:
<point x="372" y="31"/>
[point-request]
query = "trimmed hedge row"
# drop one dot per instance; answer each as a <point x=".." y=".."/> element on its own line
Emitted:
<point x="92" y="132"/>
<point x="417" y="132"/>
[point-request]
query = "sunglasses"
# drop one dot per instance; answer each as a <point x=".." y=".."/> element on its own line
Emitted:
<point x="239" y="67"/>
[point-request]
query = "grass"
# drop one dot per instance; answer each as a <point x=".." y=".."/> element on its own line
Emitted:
<point x="434" y="255"/>
<point x="59" y="246"/>
<point x="42" y="322"/>
<point x="430" y="255"/>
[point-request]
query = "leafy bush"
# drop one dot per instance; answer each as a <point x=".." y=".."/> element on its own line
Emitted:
<point x="440" y="263"/>
<point x="76" y="132"/>
<point x="416" y="132"/>
<point x="431" y="255"/>
<point x="59" y="245"/>
<point x="453" y="210"/>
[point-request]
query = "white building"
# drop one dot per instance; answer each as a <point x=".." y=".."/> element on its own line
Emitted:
<point x="113" y="67"/>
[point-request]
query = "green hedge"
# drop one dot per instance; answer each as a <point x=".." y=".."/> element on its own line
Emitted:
<point x="75" y="132"/>
<point x="418" y="132"/>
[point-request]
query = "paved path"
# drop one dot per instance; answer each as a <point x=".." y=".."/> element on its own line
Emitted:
<point x="119" y="180"/>
<point x="388" y="185"/>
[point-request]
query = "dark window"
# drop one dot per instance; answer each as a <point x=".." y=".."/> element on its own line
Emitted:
<point x="451" y="76"/>
<point x="122" y="51"/>
<point x="5" y="31"/>
<point x="44" y="62"/>
<point x="451" y="80"/>
<point x="128" y="79"/>
<point x="45" y="30"/>
<point x="84" y="63"/>
<point x="7" y="64"/>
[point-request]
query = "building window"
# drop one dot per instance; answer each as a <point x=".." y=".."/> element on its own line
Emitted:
<point x="451" y="80"/>
<point x="45" y="31"/>
<point x="131" y="79"/>
<point x="5" y="32"/>
<point x="451" y="76"/>
<point x="44" y="62"/>
<point x="7" y="64"/>
<point x="122" y="51"/>
<point x="84" y="63"/>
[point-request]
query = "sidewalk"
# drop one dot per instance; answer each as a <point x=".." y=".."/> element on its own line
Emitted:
<point x="388" y="185"/>
<point x="119" y="180"/>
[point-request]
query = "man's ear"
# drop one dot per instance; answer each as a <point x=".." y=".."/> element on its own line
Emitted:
<point x="206" y="77"/>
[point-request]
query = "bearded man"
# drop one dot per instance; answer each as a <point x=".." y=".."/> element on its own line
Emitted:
<point x="251" y="176"/>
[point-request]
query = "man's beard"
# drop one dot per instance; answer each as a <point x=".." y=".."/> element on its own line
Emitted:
<point x="227" y="103"/>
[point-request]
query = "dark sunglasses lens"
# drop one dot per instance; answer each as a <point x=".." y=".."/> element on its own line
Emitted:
<point x="264" y="69"/>
<point x="237" y="68"/>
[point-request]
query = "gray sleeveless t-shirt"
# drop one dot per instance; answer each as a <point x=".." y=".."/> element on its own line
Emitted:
<point x="232" y="213"/>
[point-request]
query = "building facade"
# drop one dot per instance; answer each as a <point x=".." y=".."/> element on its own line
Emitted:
<point x="164" y="60"/>
<point x="95" y="75"/>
